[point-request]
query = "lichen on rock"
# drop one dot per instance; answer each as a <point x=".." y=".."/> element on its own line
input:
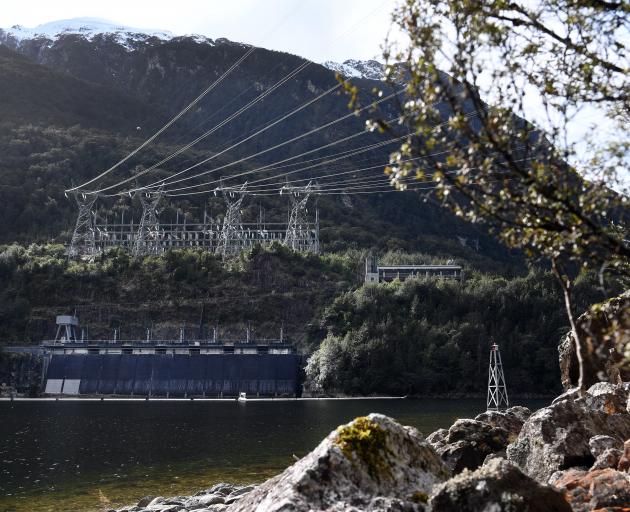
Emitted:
<point x="365" y="440"/>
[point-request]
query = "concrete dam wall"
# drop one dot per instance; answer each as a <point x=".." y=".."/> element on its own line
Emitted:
<point x="216" y="375"/>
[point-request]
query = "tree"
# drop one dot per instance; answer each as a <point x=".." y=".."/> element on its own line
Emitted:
<point x="474" y="69"/>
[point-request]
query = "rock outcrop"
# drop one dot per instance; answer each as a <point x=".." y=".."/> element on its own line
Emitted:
<point x="372" y="463"/>
<point x="557" y="437"/>
<point x="511" y="420"/>
<point x="605" y="489"/>
<point x="468" y="443"/>
<point x="496" y="486"/>
<point x="605" y="331"/>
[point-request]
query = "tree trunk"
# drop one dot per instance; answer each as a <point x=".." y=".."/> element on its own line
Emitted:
<point x="565" y="284"/>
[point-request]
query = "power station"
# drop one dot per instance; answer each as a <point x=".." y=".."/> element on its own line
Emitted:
<point x="227" y="236"/>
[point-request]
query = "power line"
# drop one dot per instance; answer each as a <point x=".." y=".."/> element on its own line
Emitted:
<point x="165" y="181"/>
<point x="170" y="191"/>
<point x="148" y="141"/>
<point x="167" y="125"/>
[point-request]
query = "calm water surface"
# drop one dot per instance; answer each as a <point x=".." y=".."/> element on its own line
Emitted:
<point x="88" y="456"/>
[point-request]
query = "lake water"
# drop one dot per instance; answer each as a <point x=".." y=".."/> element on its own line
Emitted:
<point x="85" y="456"/>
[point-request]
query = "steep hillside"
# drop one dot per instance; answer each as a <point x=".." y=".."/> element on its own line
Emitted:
<point x="33" y="93"/>
<point x="78" y="101"/>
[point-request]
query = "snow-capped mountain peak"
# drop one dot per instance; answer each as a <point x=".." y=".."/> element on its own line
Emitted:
<point x="86" y="27"/>
<point x="351" y="68"/>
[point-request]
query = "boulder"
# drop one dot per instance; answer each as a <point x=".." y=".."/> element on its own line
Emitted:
<point x="594" y="490"/>
<point x="608" y="459"/>
<point x="496" y="486"/>
<point x="605" y="333"/>
<point x="511" y="419"/>
<point x="599" y="444"/>
<point x="372" y="463"/>
<point x="145" y="501"/>
<point x="557" y="437"/>
<point x="606" y="397"/>
<point x="437" y="438"/>
<point x="469" y="442"/>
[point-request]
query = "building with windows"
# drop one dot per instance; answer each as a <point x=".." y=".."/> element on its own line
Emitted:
<point x="375" y="273"/>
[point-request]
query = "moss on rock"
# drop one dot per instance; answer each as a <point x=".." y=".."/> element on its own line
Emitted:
<point x="365" y="440"/>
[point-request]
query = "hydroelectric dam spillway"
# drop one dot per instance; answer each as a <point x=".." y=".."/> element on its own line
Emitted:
<point x="74" y="366"/>
<point x="173" y="375"/>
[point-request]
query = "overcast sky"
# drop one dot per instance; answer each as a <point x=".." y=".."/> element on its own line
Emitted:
<point x="317" y="29"/>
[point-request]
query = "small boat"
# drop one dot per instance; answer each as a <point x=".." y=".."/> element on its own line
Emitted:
<point x="242" y="397"/>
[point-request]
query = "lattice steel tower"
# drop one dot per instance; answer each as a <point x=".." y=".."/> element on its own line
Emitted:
<point x="497" y="391"/>
<point x="147" y="239"/>
<point x="83" y="239"/>
<point x="299" y="236"/>
<point x="232" y="236"/>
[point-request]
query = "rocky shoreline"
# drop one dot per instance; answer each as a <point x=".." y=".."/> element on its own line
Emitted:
<point x="573" y="455"/>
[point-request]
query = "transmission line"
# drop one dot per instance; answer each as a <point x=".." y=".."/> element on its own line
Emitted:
<point x="167" y="125"/>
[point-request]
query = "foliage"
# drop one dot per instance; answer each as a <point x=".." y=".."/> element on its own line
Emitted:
<point x="489" y="165"/>
<point x="430" y="337"/>
<point x="189" y="288"/>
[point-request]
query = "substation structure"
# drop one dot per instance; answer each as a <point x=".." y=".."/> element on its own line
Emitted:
<point x="228" y="235"/>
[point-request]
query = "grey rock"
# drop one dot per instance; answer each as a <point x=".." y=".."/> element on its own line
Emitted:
<point x="371" y="463"/>
<point x="437" y="438"/>
<point x="156" y="501"/>
<point x="557" y="438"/>
<point x="145" y="501"/>
<point x="242" y="490"/>
<point x="210" y="499"/>
<point x="609" y="459"/>
<point x="570" y="394"/>
<point x="164" y="508"/>
<point x="469" y="442"/>
<point x="606" y="397"/>
<point x="492" y="456"/>
<point x="222" y="488"/>
<point x="495" y="487"/>
<point x="599" y="444"/>
<point x="511" y="419"/>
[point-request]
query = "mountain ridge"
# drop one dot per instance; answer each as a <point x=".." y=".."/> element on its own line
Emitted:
<point x="128" y="37"/>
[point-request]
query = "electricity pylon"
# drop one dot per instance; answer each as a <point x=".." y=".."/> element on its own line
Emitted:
<point x="148" y="235"/>
<point x="231" y="238"/>
<point x="298" y="236"/>
<point x="84" y="237"/>
<point x="497" y="391"/>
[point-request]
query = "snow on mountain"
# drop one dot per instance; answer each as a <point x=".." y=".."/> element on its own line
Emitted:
<point x="86" y="27"/>
<point x="351" y="68"/>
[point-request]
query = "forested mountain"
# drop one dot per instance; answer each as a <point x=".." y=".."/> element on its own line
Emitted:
<point x="74" y="102"/>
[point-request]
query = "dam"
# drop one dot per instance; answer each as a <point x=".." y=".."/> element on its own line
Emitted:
<point x="167" y="368"/>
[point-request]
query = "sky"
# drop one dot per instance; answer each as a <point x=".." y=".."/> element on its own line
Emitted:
<point x="319" y="30"/>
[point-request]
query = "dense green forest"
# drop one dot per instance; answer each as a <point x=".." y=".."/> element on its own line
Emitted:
<point x="193" y="289"/>
<point x="417" y="337"/>
<point x="428" y="337"/>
